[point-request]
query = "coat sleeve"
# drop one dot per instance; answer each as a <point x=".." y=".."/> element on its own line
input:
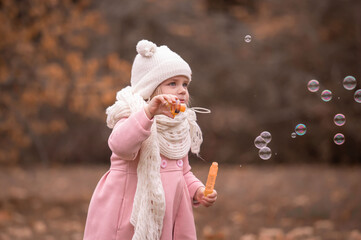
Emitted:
<point x="128" y="135"/>
<point x="193" y="183"/>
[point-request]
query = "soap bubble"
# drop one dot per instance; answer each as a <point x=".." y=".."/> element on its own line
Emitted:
<point x="313" y="85"/>
<point x="357" y="96"/>
<point x="266" y="136"/>
<point x="265" y="153"/>
<point x="248" y="38"/>
<point x="339" y="138"/>
<point x="259" y="142"/>
<point x="293" y="135"/>
<point x="349" y="83"/>
<point x="326" y="95"/>
<point x="300" y="129"/>
<point x="339" y="119"/>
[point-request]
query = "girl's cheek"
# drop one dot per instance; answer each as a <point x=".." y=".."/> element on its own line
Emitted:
<point x="167" y="91"/>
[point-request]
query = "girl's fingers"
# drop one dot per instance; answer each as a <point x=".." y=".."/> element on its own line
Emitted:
<point x="164" y="100"/>
<point x="162" y="104"/>
<point x="171" y="98"/>
<point x="213" y="194"/>
<point x="209" y="200"/>
<point x="158" y="101"/>
<point x="213" y="200"/>
<point x="167" y="98"/>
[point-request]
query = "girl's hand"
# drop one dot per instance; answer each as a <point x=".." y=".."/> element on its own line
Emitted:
<point x="205" y="201"/>
<point x="160" y="104"/>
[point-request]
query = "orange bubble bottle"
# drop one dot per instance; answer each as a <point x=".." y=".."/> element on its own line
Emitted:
<point x="211" y="180"/>
<point x="177" y="108"/>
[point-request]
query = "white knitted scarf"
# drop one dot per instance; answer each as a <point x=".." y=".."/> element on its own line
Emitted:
<point x="169" y="137"/>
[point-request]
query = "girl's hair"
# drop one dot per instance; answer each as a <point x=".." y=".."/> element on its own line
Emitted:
<point x="156" y="92"/>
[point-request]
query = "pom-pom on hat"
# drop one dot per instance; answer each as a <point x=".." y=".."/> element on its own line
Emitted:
<point x="153" y="65"/>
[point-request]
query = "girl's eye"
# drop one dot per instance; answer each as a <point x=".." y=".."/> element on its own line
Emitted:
<point x="172" y="84"/>
<point x="185" y="84"/>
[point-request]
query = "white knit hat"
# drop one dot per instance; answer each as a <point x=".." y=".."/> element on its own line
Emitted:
<point x="153" y="65"/>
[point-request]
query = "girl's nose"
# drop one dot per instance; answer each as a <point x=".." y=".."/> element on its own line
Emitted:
<point x="181" y="90"/>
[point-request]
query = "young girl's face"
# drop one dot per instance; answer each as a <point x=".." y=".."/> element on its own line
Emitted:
<point x="177" y="86"/>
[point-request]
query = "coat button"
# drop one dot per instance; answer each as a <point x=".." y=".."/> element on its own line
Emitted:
<point x="180" y="163"/>
<point x="163" y="164"/>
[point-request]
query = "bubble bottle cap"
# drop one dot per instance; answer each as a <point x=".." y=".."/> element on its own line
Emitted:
<point x="183" y="107"/>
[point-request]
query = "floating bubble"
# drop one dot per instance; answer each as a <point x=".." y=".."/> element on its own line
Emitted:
<point x="266" y="136"/>
<point x="259" y="142"/>
<point x="326" y="95"/>
<point x="293" y="135"/>
<point x="248" y="38"/>
<point x="339" y="119"/>
<point x="313" y="85"/>
<point x="357" y="96"/>
<point x="349" y="83"/>
<point x="339" y="138"/>
<point x="265" y="153"/>
<point x="301" y="129"/>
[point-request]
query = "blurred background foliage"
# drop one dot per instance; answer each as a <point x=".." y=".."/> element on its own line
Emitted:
<point x="62" y="62"/>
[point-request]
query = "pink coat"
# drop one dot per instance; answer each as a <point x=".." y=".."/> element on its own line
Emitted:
<point x="112" y="201"/>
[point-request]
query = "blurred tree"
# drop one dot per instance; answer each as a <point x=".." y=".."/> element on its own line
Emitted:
<point x="59" y="70"/>
<point x="51" y="83"/>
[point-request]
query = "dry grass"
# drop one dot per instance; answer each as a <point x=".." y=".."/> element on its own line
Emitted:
<point x="255" y="203"/>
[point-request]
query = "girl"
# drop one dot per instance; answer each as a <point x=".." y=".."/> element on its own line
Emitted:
<point x="149" y="189"/>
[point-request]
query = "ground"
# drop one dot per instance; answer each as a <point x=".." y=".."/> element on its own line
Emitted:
<point x="255" y="203"/>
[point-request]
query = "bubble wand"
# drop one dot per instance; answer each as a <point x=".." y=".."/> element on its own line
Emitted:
<point x="211" y="180"/>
